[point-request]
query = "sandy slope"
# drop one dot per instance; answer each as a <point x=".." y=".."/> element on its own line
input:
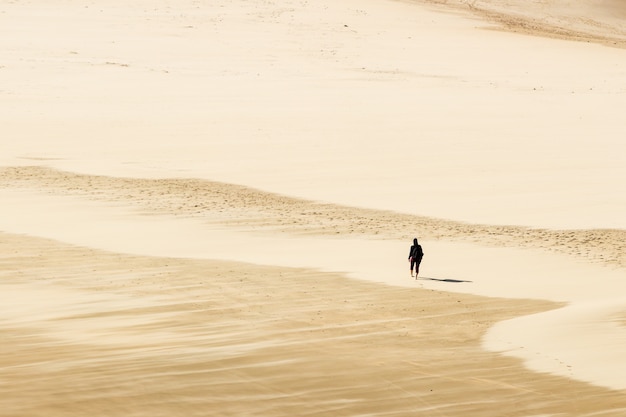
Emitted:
<point x="206" y="220"/>
<point x="588" y="21"/>
<point x="254" y="210"/>
<point x="378" y="104"/>
<point x="91" y="332"/>
<point x="345" y="103"/>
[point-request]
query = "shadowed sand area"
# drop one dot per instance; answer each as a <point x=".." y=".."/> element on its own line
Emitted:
<point x="596" y="21"/>
<point x="111" y="334"/>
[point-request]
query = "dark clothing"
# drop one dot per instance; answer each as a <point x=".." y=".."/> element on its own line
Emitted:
<point x="417" y="266"/>
<point x="415" y="256"/>
<point x="416" y="253"/>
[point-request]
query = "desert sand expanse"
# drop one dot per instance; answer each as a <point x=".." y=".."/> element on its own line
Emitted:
<point x="207" y="207"/>
<point x="100" y="333"/>
<point x="343" y="103"/>
<point x="153" y="313"/>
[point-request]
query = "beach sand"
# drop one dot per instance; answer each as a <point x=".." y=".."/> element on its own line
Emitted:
<point x="207" y="208"/>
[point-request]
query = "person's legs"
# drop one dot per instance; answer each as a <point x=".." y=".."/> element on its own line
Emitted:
<point x="417" y="269"/>
<point x="412" y="263"/>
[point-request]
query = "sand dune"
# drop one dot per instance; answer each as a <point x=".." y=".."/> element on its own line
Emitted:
<point x="590" y="21"/>
<point x="250" y="209"/>
<point x="342" y="103"/>
<point x="228" y="189"/>
<point x="93" y="332"/>
<point x="206" y="220"/>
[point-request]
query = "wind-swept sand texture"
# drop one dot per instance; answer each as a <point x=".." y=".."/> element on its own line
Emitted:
<point x="227" y="335"/>
<point x="587" y="21"/>
<point x="206" y="208"/>
<point x="249" y="209"/>
<point x="91" y="332"/>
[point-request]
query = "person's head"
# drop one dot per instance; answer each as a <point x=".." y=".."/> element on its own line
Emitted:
<point x="415" y="241"/>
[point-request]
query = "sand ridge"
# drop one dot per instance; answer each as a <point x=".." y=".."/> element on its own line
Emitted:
<point x="583" y="21"/>
<point x="234" y="205"/>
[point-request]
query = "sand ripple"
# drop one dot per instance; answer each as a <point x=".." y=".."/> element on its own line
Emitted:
<point x="114" y="334"/>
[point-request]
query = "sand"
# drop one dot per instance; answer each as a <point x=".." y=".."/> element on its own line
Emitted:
<point x="207" y="208"/>
<point x="112" y="334"/>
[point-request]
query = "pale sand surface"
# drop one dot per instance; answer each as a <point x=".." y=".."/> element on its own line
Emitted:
<point x="341" y="102"/>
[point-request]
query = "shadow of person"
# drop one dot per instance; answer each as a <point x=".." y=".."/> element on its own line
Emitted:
<point x="442" y="280"/>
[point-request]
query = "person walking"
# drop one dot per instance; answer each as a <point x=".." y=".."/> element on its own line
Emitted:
<point x="415" y="257"/>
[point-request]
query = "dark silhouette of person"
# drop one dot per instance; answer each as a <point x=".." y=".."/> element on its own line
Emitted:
<point x="415" y="257"/>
